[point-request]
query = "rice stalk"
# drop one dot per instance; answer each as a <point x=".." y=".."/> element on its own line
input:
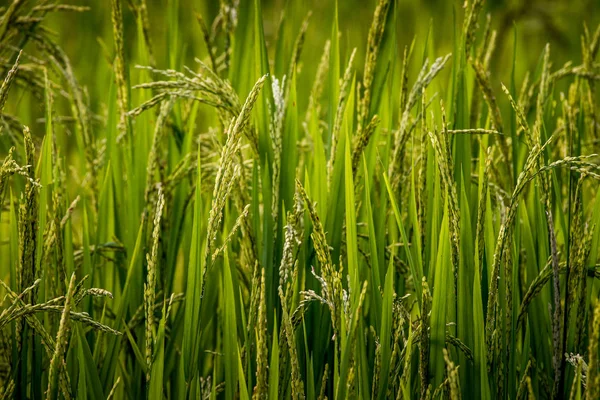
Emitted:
<point x="470" y="23"/>
<point x="373" y="43"/>
<point x="113" y="390"/>
<point x="424" y="342"/>
<point x="504" y="236"/>
<point x="234" y="230"/>
<point x="521" y="119"/>
<point x="483" y="82"/>
<point x="330" y="279"/>
<point x="322" y="395"/>
<point x="339" y="113"/>
<point x="61" y="343"/>
<point x="28" y="223"/>
<point x="298" y="47"/>
<point x="275" y="132"/>
<point x="293" y="239"/>
<point x="593" y="377"/>
<point x="426" y="75"/>
<point x="523" y="383"/>
<point x="150" y="285"/>
<point x="261" y="388"/>
<point x="440" y="144"/>
<point x="481" y="209"/>
<point x="314" y="106"/>
<point x="362" y="141"/>
<point x="157" y="140"/>
<point x="576" y="387"/>
<point x="453" y="381"/>
<point x="8" y="80"/>
<point x="142" y="14"/>
<point x="210" y="48"/>
<point x="10" y="167"/>
<point x="297" y="386"/>
<point x="119" y="66"/>
<point x="228" y="170"/>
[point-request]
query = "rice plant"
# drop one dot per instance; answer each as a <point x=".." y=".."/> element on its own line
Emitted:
<point x="245" y="199"/>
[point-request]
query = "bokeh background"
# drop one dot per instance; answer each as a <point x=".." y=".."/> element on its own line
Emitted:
<point x="87" y="37"/>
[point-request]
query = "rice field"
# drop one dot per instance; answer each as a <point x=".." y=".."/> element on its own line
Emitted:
<point x="277" y="199"/>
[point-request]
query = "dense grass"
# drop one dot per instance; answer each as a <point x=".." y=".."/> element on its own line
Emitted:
<point x="310" y="209"/>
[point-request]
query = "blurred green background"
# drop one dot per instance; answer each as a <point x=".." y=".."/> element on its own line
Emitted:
<point x="560" y="22"/>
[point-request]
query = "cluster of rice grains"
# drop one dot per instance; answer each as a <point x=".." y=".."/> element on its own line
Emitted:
<point x="219" y="236"/>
